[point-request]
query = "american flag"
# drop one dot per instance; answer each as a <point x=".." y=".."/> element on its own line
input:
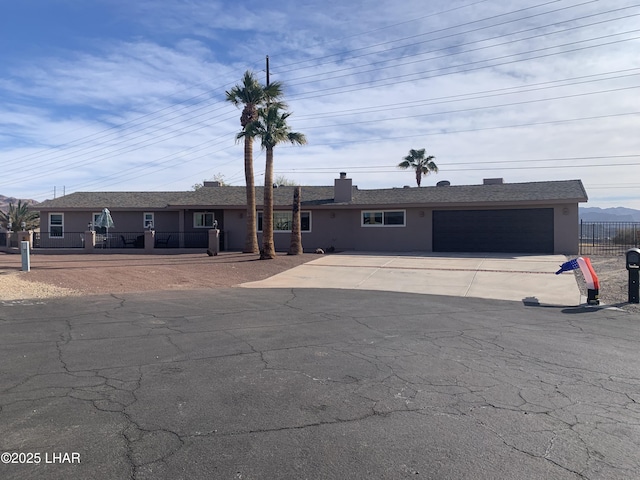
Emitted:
<point x="570" y="265"/>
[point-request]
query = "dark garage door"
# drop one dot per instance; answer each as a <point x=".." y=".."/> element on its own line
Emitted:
<point x="508" y="231"/>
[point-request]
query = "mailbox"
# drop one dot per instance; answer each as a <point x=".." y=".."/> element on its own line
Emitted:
<point x="633" y="265"/>
<point x="633" y="259"/>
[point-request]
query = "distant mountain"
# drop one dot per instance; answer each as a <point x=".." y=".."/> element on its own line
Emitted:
<point x="615" y="214"/>
<point x="5" y="201"/>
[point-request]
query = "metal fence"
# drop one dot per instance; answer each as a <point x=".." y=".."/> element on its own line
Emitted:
<point x="125" y="240"/>
<point x="189" y="240"/>
<point x="67" y="240"/>
<point x="608" y="238"/>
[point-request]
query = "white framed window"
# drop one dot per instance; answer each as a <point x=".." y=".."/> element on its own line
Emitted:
<point x="56" y="225"/>
<point x="148" y="220"/>
<point x="283" y="220"/>
<point x="383" y="218"/>
<point x="203" y="220"/>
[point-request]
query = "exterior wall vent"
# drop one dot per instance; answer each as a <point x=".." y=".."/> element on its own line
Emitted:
<point x="492" y="181"/>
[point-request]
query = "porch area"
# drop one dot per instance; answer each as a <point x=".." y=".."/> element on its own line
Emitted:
<point x="148" y="241"/>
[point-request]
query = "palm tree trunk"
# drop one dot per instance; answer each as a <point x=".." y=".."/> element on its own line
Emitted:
<point x="251" y="241"/>
<point x="268" y="248"/>
<point x="418" y="176"/>
<point x="296" y="234"/>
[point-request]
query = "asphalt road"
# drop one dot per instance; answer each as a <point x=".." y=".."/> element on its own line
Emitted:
<point x="316" y="384"/>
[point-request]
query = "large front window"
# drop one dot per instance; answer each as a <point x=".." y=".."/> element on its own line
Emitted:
<point x="383" y="218"/>
<point x="203" y="220"/>
<point x="56" y="225"/>
<point x="283" y="221"/>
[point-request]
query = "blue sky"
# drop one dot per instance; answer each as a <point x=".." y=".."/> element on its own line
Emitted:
<point x="114" y="95"/>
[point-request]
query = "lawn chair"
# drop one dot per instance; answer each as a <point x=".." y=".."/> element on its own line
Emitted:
<point x="163" y="243"/>
<point x="126" y="242"/>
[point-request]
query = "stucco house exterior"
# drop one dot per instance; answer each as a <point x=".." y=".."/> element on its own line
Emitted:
<point x="532" y="217"/>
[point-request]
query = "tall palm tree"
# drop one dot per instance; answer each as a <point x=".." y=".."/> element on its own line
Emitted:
<point x="272" y="129"/>
<point x="18" y="214"/>
<point x="421" y="164"/>
<point x="252" y="95"/>
<point x="295" y="247"/>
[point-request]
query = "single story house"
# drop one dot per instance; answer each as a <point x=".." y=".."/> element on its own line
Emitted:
<point x="532" y="217"/>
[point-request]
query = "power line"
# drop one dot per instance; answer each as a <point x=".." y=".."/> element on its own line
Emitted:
<point x="203" y="94"/>
<point x="393" y="81"/>
<point x="484" y="162"/>
<point x="476" y="95"/>
<point x="341" y="54"/>
<point x="139" y="145"/>
<point x="449" y="112"/>
<point x="443" y="169"/>
<point x="458" y="34"/>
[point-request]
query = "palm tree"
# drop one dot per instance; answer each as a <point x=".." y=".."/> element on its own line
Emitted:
<point x="272" y="129"/>
<point x="295" y="247"/>
<point x="421" y="164"/>
<point x="19" y="214"/>
<point x="252" y="95"/>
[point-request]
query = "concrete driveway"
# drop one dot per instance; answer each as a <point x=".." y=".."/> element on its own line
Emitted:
<point x="527" y="278"/>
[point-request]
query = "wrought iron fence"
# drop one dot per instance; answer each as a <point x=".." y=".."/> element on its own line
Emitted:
<point x="67" y="240"/>
<point x="189" y="239"/>
<point x="608" y="238"/>
<point x="125" y="240"/>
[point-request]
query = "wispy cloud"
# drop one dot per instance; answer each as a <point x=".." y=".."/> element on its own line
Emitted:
<point x="522" y="91"/>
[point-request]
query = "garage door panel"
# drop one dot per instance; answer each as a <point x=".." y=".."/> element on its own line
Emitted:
<point x="508" y="231"/>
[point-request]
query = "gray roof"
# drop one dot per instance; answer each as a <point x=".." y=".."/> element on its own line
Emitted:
<point x="319" y="196"/>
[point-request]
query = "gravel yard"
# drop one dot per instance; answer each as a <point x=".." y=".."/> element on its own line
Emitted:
<point x="66" y="275"/>
<point x="614" y="281"/>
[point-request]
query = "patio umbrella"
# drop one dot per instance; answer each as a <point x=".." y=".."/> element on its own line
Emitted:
<point x="104" y="220"/>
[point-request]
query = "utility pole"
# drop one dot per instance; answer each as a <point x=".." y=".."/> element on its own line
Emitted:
<point x="267" y="70"/>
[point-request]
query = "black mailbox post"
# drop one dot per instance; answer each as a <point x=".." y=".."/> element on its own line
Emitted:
<point x="633" y="265"/>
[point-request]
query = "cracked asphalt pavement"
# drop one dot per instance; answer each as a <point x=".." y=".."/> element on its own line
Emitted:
<point x="330" y="384"/>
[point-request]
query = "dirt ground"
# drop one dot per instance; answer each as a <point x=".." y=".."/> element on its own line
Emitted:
<point x="614" y="281"/>
<point x="64" y="275"/>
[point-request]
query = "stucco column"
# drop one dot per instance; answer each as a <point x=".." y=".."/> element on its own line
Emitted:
<point x="89" y="241"/>
<point x="149" y="240"/>
<point x="214" y="241"/>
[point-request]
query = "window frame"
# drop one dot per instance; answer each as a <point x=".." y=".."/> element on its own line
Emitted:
<point x="305" y="212"/>
<point x="383" y="217"/>
<point x="61" y="225"/>
<point x="145" y="224"/>
<point x="204" y="214"/>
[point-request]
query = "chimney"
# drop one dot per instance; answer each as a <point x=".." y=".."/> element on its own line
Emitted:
<point x="342" y="189"/>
